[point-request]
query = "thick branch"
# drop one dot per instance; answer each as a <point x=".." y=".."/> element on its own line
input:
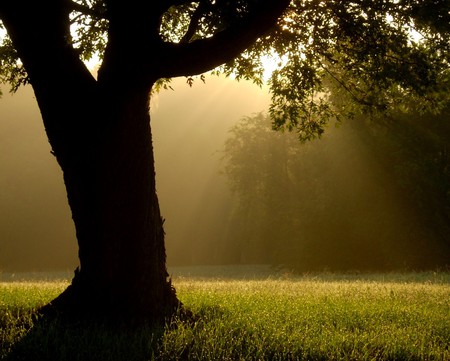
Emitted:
<point x="202" y="55"/>
<point x="39" y="32"/>
<point x="133" y="24"/>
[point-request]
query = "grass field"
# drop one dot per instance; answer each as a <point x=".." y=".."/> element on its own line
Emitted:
<point x="280" y="317"/>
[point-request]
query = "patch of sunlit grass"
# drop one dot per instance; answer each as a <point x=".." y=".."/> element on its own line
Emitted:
<point x="18" y="301"/>
<point x="315" y="317"/>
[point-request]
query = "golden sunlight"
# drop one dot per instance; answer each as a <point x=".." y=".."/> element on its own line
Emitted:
<point x="271" y="63"/>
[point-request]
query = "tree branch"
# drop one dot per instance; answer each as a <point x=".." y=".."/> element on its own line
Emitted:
<point x="40" y="31"/>
<point x="95" y="13"/>
<point x="193" y="25"/>
<point x="202" y="55"/>
<point x="167" y="4"/>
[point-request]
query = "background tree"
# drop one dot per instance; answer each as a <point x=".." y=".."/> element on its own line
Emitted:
<point x="368" y="196"/>
<point x="99" y="128"/>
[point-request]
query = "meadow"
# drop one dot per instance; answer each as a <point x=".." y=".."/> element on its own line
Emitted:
<point x="250" y="316"/>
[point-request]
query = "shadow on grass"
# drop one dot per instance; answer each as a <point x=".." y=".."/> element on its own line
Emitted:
<point x="56" y="339"/>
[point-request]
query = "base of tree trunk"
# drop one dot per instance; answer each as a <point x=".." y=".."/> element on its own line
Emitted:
<point x="80" y="302"/>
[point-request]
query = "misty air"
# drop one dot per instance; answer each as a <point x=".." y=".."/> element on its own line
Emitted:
<point x="224" y="180"/>
<point x="233" y="191"/>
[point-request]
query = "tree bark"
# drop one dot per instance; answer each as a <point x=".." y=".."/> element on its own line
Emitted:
<point x="110" y="180"/>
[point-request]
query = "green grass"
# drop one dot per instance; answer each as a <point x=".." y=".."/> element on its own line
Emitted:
<point x="314" y="317"/>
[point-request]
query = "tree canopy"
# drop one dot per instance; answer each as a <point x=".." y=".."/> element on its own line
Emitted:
<point x="378" y="53"/>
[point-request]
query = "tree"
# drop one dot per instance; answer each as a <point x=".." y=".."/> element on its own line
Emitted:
<point x="368" y="196"/>
<point x="258" y="165"/>
<point x="99" y="128"/>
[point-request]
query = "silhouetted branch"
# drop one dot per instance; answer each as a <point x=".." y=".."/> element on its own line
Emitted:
<point x="95" y="13"/>
<point x="193" y="25"/>
<point x="202" y="55"/>
<point x="170" y="3"/>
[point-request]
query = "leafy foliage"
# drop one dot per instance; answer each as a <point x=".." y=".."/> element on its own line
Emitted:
<point x="89" y="28"/>
<point x="12" y="71"/>
<point x="369" y="49"/>
<point x="379" y="53"/>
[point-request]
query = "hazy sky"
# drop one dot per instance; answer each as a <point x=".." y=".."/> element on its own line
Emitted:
<point x="189" y="128"/>
<point x="35" y="225"/>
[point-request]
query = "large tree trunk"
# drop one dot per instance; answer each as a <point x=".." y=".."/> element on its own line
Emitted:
<point x="109" y="175"/>
<point x="105" y="152"/>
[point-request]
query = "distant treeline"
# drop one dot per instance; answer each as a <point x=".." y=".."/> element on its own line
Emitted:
<point x="369" y="195"/>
